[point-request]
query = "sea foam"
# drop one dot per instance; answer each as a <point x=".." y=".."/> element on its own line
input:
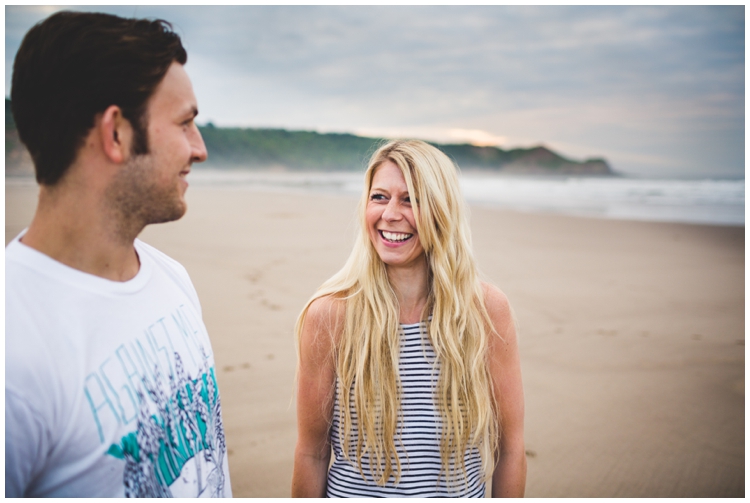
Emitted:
<point x="714" y="202"/>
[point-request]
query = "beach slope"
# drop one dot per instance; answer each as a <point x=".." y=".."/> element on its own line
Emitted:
<point x="631" y="335"/>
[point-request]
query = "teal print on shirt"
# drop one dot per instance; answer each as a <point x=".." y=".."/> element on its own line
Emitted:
<point x="186" y="426"/>
<point x="112" y="390"/>
<point x="171" y="418"/>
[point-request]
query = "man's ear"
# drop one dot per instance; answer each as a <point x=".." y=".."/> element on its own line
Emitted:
<point x="116" y="134"/>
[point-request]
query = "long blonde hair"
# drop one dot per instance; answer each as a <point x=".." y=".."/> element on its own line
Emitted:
<point x="367" y="354"/>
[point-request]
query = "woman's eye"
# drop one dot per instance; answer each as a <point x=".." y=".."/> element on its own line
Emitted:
<point x="377" y="197"/>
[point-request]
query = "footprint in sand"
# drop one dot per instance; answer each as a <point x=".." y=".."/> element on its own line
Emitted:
<point x="270" y="305"/>
<point x="253" y="277"/>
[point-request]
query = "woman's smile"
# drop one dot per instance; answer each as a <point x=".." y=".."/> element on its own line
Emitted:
<point x="390" y="218"/>
<point x="395" y="238"/>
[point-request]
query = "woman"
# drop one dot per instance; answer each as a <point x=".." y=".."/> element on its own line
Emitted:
<point x="408" y="363"/>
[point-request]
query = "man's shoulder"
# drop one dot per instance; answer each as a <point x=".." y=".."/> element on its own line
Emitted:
<point x="161" y="260"/>
<point x="157" y="255"/>
<point x="32" y="288"/>
<point x="170" y="267"/>
<point x="25" y="266"/>
<point x="16" y="253"/>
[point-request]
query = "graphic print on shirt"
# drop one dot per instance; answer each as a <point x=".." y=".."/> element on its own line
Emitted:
<point x="177" y="432"/>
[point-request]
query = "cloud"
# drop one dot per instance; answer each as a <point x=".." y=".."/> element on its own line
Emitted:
<point x="658" y="82"/>
<point x="441" y="135"/>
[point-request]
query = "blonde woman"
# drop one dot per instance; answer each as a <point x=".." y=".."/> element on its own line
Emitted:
<point x="408" y="364"/>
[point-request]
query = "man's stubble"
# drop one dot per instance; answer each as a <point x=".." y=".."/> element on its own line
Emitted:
<point x="136" y="199"/>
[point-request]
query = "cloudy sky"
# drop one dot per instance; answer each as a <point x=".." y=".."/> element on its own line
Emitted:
<point x="657" y="91"/>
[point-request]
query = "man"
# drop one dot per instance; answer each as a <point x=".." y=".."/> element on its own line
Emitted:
<point x="110" y="387"/>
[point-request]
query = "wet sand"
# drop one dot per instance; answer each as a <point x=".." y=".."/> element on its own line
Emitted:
<point x="632" y="335"/>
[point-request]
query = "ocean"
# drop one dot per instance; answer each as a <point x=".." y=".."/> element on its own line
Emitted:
<point x="712" y="202"/>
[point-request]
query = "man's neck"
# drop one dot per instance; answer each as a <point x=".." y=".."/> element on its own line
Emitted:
<point x="75" y="228"/>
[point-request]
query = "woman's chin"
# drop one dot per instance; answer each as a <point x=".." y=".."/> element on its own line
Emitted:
<point x="399" y="259"/>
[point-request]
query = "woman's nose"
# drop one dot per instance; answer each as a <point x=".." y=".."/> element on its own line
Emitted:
<point x="392" y="211"/>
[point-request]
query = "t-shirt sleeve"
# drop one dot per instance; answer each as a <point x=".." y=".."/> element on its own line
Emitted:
<point x="25" y="445"/>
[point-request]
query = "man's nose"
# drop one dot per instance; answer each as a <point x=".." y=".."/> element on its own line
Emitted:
<point x="199" y="153"/>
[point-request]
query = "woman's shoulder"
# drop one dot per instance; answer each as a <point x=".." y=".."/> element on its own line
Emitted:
<point x="326" y="313"/>
<point x="495" y="299"/>
<point x="498" y="308"/>
<point x="327" y="308"/>
<point x="322" y="326"/>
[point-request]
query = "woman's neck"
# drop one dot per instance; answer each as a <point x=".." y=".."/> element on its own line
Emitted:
<point x="411" y="285"/>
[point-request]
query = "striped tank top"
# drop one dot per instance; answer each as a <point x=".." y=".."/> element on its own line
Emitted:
<point x="420" y="427"/>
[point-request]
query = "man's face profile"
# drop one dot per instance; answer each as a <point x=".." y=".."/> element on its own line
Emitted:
<point x="152" y="186"/>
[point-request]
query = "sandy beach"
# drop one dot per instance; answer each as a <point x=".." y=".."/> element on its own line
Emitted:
<point x="631" y="335"/>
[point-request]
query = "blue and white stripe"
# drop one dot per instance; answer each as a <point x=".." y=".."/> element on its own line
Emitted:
<point x="419" y="446"/>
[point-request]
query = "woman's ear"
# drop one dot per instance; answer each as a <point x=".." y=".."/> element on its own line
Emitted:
<point x="116" y="134"/>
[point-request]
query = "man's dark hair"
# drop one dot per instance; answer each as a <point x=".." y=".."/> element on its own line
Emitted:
<point x="73" y="66"/>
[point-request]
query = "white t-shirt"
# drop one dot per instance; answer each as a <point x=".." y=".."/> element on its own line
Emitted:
<point x="110" y="387"/>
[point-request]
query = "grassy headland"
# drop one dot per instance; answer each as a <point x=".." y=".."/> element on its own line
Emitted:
<point x="310" y="151"/>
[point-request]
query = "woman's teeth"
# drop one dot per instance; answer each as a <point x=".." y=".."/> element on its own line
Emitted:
<point x="395" y="237"/>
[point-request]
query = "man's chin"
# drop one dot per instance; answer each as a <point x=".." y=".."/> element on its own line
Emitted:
<point x="170" y="214"/>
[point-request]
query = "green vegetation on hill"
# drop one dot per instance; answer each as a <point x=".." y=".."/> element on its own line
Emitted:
<point x="303" y="150"/>
<point x="10" y="123"/>
<point x="311" y="151"/>
<point x="307" y="150"/>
